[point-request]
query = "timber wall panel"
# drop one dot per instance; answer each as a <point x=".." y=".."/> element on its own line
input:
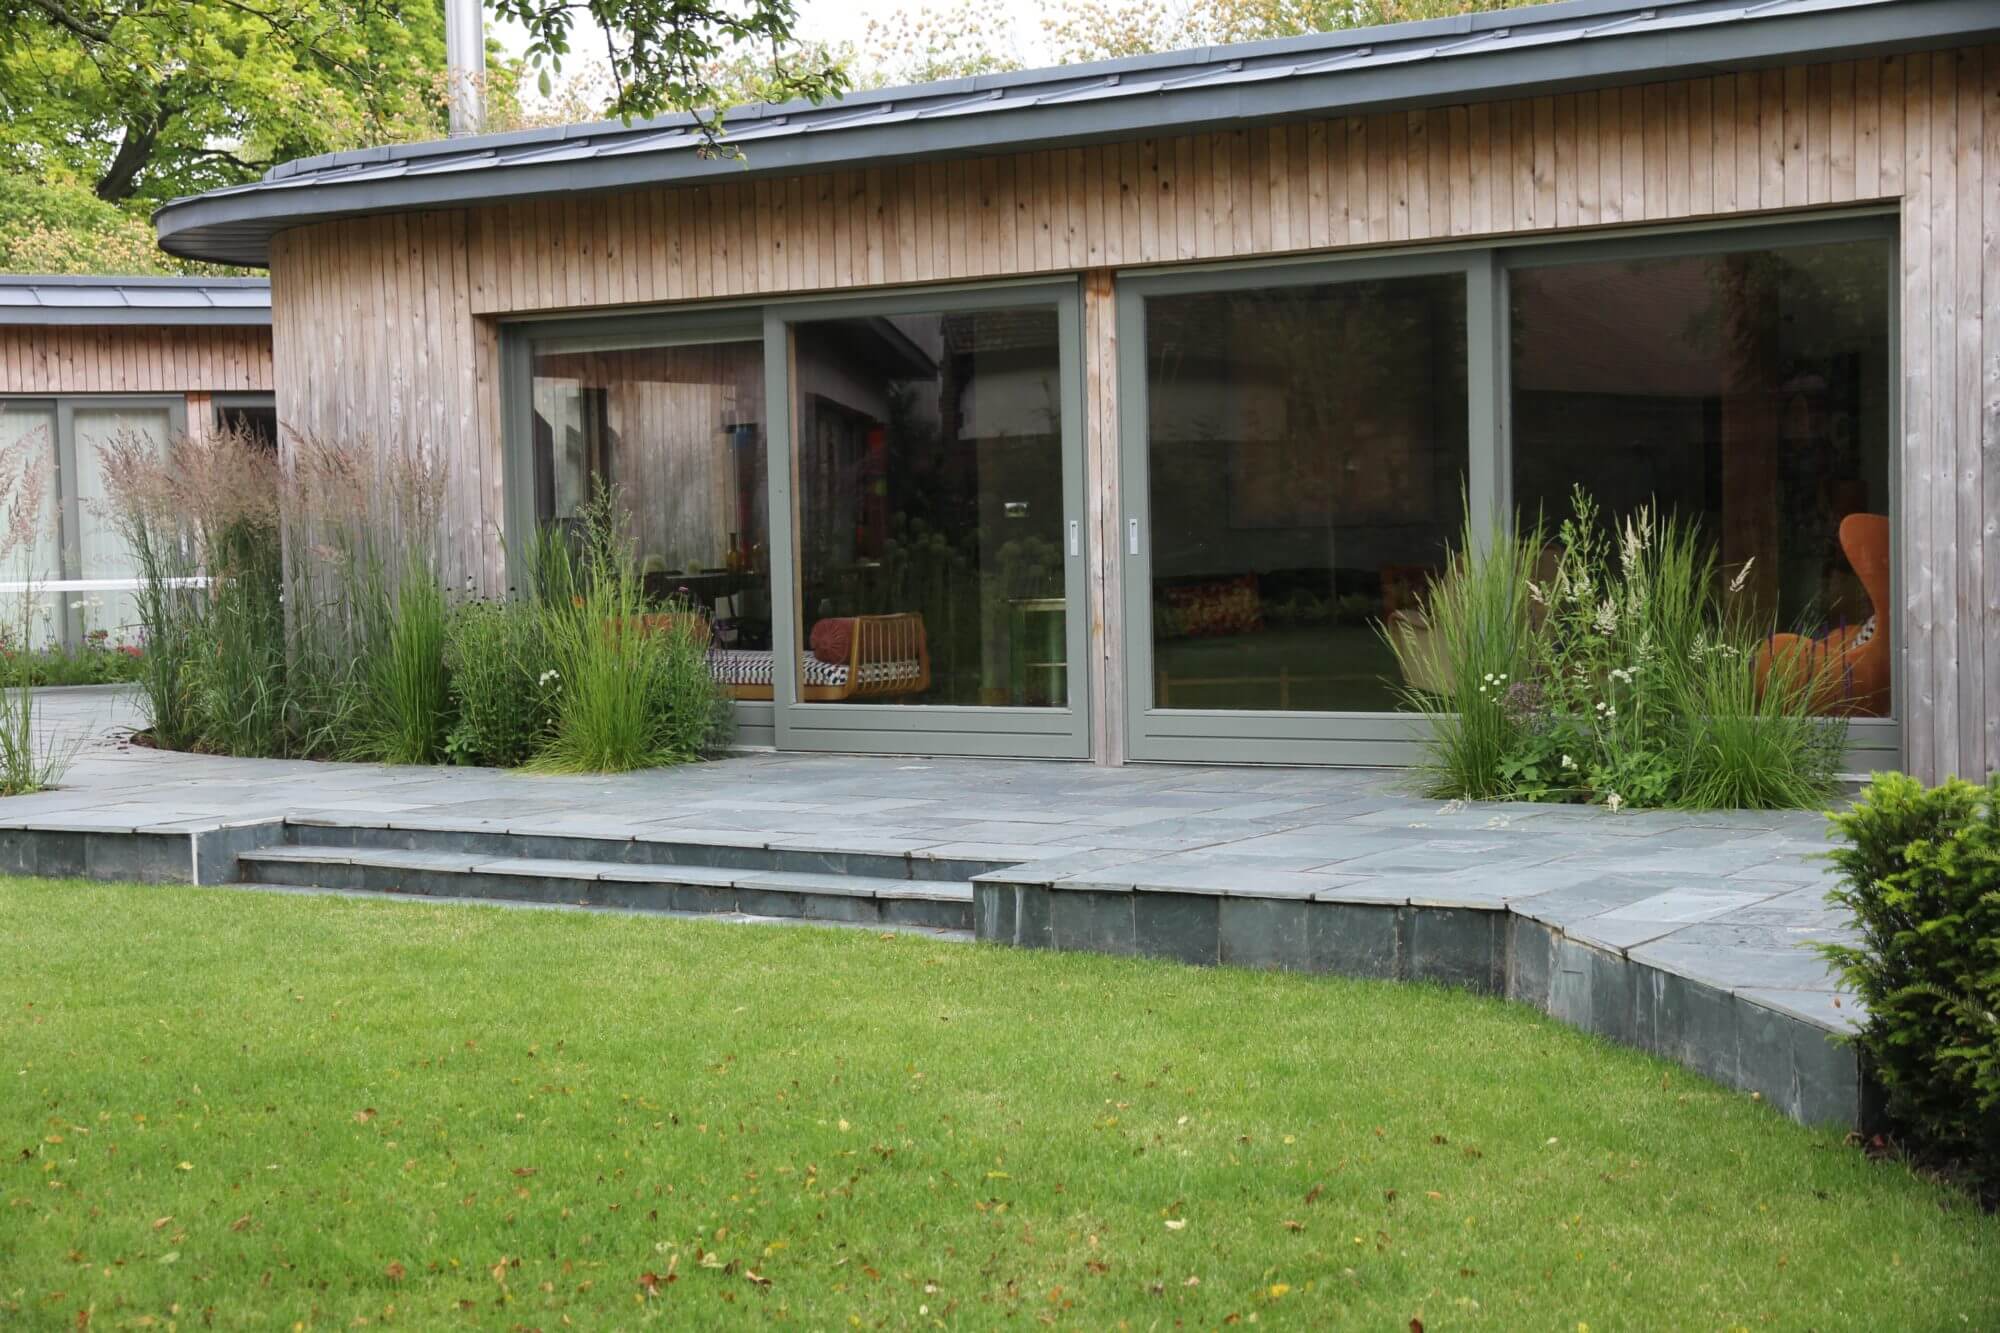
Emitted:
<point x="74" y="359"/>
<point x="1916" y="131"/>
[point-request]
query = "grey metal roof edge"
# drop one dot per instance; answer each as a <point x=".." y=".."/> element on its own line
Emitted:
<point x="235" y="225"/>
<point x="1088" y="71"/>
<point x="168" y="280"/>
<point x="62" y="299"/>
<point x="130" y="317"/>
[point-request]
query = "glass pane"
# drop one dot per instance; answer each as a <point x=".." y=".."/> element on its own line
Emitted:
<point x="28" y="438"/>
<point x="1748" y="391"/>
<point x="679" y="432"/>
<point x="1306" y="448"/>
<point x="101" y="549"/>
<point x="931" y="509"/>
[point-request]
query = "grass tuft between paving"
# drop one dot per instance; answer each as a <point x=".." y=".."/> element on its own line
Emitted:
<point x="227" y="1107"/>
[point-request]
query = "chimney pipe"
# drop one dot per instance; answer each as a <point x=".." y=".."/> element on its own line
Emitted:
<point x="465" y="64"/>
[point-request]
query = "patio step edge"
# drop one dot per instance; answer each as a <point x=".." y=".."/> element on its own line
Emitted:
<point x="752" y="892"/>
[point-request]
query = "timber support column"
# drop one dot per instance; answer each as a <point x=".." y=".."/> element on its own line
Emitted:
<point x="1104" y="513"/>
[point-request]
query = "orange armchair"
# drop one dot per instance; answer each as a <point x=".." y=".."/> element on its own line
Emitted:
<point x="1851" y="664"/>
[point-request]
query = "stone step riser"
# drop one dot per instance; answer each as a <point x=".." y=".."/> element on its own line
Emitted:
<point x="628" y="851"/>
<point x="655" y="897"/>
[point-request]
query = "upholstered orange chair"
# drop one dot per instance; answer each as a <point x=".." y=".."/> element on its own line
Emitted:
<point x="1852" y="663"/>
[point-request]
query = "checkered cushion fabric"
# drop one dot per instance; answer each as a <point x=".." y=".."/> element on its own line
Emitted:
<point x="745" y="666"/>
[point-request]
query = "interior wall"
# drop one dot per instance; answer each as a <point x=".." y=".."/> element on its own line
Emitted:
<point x="386" y="327"/>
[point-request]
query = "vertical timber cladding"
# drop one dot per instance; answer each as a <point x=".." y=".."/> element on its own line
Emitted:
<point x="83" y="359"/>
<point x="382" y="325"/>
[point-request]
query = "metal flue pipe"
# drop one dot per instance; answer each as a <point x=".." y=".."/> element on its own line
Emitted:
<point x="465" y="64"/>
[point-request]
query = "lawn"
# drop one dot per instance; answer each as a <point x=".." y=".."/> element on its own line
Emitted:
<point x="222" y="1106"/>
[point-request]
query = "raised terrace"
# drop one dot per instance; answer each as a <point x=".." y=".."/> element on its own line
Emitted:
<point x="1688" y="935"/>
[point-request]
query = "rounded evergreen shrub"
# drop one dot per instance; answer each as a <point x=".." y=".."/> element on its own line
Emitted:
<point x="1921" y="875"/>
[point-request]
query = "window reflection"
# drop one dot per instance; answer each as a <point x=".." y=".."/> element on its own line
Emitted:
<point x="931" y="509"/>
<point x="1306" y="453"/>
<point x="1747" y="391"/>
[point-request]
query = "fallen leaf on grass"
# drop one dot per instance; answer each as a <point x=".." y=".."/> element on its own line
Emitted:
<point x="1176" y="1223"/>
<point x="394" y="1272"/>
<point x="1294" y="1226"/>
<point x="240" y="1223"/>
<point x="364" y="1115"/>
<point x="160" y="1222"/>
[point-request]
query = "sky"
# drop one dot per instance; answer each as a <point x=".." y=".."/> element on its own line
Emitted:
<point x="847" y="20"/>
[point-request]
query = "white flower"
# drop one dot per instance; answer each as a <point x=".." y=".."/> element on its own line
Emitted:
<point x="1614" y="802"/>
<point x="1621" y="674"/>
<point x="77" y="606"/>
<point x="1569" y="763"/>
<point x="547" y="676"/>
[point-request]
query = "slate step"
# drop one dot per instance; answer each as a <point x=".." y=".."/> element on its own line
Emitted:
<point x="858" y="899"/>
<point x="832" y="854"/>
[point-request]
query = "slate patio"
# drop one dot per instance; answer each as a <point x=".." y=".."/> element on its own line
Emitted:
<point x="1730" y="901"/>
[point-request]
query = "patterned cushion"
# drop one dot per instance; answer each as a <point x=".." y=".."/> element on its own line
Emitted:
<point x="1226" y="606"/>
<point x="744" y="666"/>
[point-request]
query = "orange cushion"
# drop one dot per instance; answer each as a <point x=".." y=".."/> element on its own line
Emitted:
<point x="832" y="640"/>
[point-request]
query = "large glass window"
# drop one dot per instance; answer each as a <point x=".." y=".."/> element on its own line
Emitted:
<point x="931" y="523"/>
<point x="1747" y="391"/>
<point x="102" y="556"/>
<point x="1306" y="454"/>
<point x="28" y="441"/>
<point x="677" y="432"/>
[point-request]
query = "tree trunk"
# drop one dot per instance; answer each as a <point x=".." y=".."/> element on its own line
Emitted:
<point x="135" y="153"/>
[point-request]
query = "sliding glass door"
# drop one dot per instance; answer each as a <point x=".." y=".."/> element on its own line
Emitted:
<point x="1300" y="443"/>
<point x="1295" y="460"/>
<point x="929" y="455"/>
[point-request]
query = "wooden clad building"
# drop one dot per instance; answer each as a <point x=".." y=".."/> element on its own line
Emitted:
<point x="1119" y="411"/>
<point x="84" y="360"/>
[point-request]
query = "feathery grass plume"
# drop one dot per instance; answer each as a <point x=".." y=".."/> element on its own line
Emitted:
<point x="28" y="762"/>
<point x="200" y="517"/>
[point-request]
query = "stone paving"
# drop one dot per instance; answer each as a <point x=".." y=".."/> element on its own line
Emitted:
<point x="1732" y="899"/>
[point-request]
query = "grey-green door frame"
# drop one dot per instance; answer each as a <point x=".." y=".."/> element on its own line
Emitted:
<point x="1045" y="733"/>
<point x="1271" y="736"/>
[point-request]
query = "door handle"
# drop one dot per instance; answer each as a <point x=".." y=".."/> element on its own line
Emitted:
<point x="1075" y="538"/>
<point x="1132" y="535"/>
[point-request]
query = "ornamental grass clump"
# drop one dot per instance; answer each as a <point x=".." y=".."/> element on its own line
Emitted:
<point x="633" y="687"/>
<point x="1614" y="666"/>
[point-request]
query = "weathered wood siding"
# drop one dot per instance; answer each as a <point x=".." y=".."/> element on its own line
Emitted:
<point x="40" y="359"/>
<point x="384" y="325"/>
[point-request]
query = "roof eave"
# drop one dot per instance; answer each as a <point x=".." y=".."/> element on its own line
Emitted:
<point x="236" y="227"/>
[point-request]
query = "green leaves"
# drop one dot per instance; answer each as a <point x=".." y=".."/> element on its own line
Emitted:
<point x="1920" y="872"/>
<point x="669" y="55"/>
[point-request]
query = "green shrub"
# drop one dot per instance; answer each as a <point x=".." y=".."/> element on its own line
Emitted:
<point x="1920" y="871"/>
<point x="503" y="683"/>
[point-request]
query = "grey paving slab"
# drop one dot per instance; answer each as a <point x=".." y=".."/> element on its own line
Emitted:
<point x="1729" y="901"/>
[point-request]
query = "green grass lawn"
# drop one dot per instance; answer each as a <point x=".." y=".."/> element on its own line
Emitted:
<point x="222" y="1106"/>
